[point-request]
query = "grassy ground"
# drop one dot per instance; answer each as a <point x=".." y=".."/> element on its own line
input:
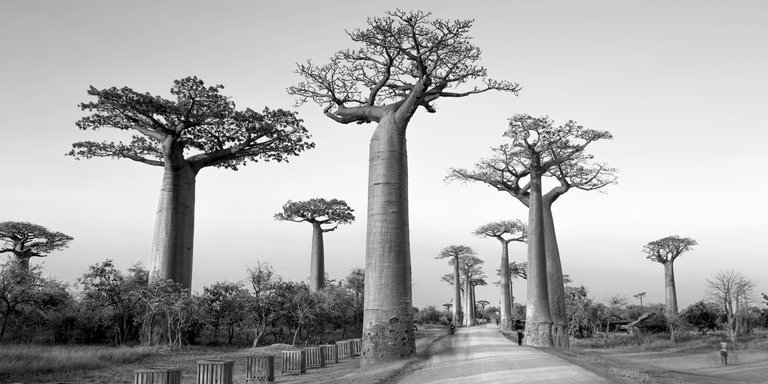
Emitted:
<point x="35" y="364"/>
<point x="655" y="359"/>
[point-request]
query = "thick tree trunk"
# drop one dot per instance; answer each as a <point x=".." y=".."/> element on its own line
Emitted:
<point x="171" y="256"/>
<point x="669" y="282"/>
<point x="23" y="264"/>
<point x="317" y="268"/>
<point x="538" y="320"/>
<point x="456" y="294"/>
<point x="387" y="320"/>
<point x="506" y="299"/>
<point x="555" y="286"/>
<point x="472" y="305"/>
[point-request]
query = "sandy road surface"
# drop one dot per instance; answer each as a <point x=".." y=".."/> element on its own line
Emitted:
<point x="483" y="355"/>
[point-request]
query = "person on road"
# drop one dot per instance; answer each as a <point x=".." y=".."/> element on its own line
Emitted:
<point x="724" y="352"/>
<point x="519" y="330"/>
<point x="453" y="329"/>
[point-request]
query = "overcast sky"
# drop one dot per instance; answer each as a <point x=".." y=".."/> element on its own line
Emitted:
<point x="681" y="85"/>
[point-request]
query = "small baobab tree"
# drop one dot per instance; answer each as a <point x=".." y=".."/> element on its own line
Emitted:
<point x="665" y="251"/>
<point x="25" y="240"/>
<point x="454" y="253"/>
<point x="317" y="212"/>
<point x="540" y="149"/>
<point x="506" y="231"/>
<point x="471" y="270"/>
<point x="405" y="61"/>
<point x="200" y="129"/>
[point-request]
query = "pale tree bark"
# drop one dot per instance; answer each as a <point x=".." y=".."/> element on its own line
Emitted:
<point x="669" y="284"/>
<point x="506" y="287"/>
<point x="387" y="320"/>
<point x="538" y="319"/>
<point x="317" y="264"/>
<point x="555" y="286"/>
<point x="457" y="314"/>
<point x="172" y="244"/>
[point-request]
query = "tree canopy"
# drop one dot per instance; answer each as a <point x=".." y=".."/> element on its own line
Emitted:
<point x="317" y="210"/>
<point x="25" y="240"/>
<point x="404" y="58"/>
<point x="668" y="249"/>
<point x="517" y="230"/>
<point x="200" y="123"/>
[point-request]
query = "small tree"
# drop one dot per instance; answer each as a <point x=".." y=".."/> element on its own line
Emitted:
<point x="506" y="231"/>
<point x="702" y="315"/>
<point x="454" y="253"/>
<point x="665" y="251"/>
<point x="106" y="288"/>
<point x="731" y="290"/>
<point x="317" y="212"/>
<point x="200" y="129"/>
<point x="406" y="61"/>
<point x="222" y="304"/>
<point x="263" y="307"/>
<point x="25" y="240"/>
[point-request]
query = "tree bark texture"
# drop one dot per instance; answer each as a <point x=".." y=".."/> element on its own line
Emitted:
<point x="387" y="319"/>
<point x="317" y="267"/>
<point x="171" y="256"/>
<point x="506" y="300"/>
<point x="669" y="283"/>
<point x="555" y="286"/>
<point x="456" y="293"/>
<point x="538" y="320"/>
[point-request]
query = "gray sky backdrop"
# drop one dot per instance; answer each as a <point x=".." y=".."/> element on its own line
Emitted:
<point x="680" y="84"/>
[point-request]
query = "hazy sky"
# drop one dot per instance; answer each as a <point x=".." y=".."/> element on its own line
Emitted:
<point x="680" y="84"/>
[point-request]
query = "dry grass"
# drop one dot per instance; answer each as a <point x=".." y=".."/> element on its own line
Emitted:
<point x="34" y="360"/>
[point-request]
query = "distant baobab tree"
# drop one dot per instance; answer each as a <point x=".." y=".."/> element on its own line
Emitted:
<point x="471" y="269"/>
<point x="455" y="253"/>
<point x="200" y="128"/>
<point x="25" y="240"/>
<point x="540" y="149"/>
<point x="404" y="61"/>
<point x="506" y="231"/>
<point x="317" y="212"/>
<point x="640" y="296"/>
<point x="664" y="251"/>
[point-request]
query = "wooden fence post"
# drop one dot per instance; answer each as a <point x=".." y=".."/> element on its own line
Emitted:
<point x="294" y="362"/>
<point x="330" y="354"/>
<point x="344" y="349"/>
<point x="357" y="346"/>
<point x="214" y="371"/>
<point x="157" y="376"/>
<point x="259" y="369"/>
<point x="314" y="357"/>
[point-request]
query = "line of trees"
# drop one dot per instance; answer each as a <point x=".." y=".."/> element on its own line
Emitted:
<point x="116" y="307"/>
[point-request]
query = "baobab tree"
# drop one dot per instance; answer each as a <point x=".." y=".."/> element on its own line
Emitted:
<point x="540" y="149"/>
<point x="25" y="240"/>
<point x="516" y="270"/>
<point x="731" y="290"/>
<point x="403" y="62"/>
<point x="471" y="270"/>
<point x="665" y="251"/>
<point x="455" y="253"/>
<point x="506" y="231"/>
<point x="317" y="212"/>
<point x="200" y="128"/>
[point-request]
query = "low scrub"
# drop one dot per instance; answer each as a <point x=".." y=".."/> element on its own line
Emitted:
<point x="26" y="360"/>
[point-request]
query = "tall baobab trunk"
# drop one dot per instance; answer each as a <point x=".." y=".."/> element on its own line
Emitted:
<point x="387" y="320"/>
<point x="669" y="283"/>
<point x="317" y="268"/>
<point x="456" y="293"/>
<point x="555" y="286"/>
<point x="538" y="320"/>
<point x="469" y="312"/>
<point x="506" y="294"/>
<point x="171" y="256"/>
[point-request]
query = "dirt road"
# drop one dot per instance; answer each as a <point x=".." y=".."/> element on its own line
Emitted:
<point x="483" y="355"/>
